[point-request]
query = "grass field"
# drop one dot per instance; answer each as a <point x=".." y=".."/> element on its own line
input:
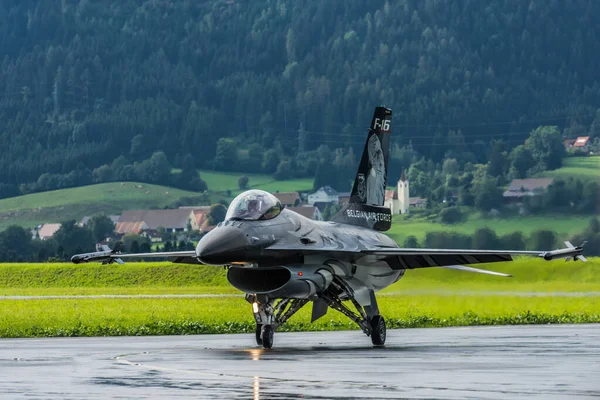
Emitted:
<point x="564" y="226"/>
<point x="423" y="298"/>
<point x="577" y="167"/>
<point x="114" y="317"/>
<point x="62" y="278"/>
<point x="223" y="181"/>
<point x="59" y="205"/>
<point x="105" y="198"/>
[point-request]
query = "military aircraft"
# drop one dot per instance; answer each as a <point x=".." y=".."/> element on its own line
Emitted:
<point x="282" y="260"/>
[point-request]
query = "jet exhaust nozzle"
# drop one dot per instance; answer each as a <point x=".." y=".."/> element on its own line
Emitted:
<point x="289" y="281"/>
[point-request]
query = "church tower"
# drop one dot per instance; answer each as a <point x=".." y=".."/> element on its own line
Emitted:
<point x="403" y="195"/>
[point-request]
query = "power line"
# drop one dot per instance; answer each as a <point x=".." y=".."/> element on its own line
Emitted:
<point x="354" y="142"/>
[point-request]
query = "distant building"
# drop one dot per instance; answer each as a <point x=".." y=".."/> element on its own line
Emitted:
<point x="125" y="227"/>
<point x="520" y="188"/>
<point x="172" y="220"/>
<point x="202" y="219"/>
<point x="46" y="231"/>
<point x="311" y="212"/>
<point x="417" y="202"/>
<point x="581" y="142"/>
<point x="326" y="194"/>
<point x="398" y="201"/>
<point x="288" y="199"/>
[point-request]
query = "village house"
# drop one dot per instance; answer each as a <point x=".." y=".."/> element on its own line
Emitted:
<point x="125" y="227"/>
<point x="520" y="188"/>
<point x="172" y="220"/>
<point x="580" y="143"/>
<point x="201" y="217"/>
<point x="45" y="231"/>
<point x="326" y="194"/>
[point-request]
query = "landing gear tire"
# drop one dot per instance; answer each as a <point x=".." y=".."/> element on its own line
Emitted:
<point x="267" y="336"/>
<point x="378" y="331"/>
<point x="258" y="333"/>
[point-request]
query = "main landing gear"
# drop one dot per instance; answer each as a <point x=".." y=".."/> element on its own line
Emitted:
<point x="367" y="318"/>
<point x="269" y="314"/>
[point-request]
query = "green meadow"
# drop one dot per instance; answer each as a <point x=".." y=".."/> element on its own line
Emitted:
<point x="529" y="275"/>
<point x="228" y="181"/>
<point x="577" y="167"/>
<point x="106" y="198"/>
<point x="139" y="316"/>
<point x="539" y="292"/>
<point x="59" y="205"/>
<point x="564" y="226"/>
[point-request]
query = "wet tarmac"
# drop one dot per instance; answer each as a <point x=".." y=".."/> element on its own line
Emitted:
<point x="546" y="362"/>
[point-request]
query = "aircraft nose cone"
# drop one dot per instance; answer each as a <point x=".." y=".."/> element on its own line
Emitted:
<point x="223" y="245"/>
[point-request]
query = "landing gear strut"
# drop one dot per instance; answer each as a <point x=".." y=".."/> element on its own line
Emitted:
<point x="269" y="314"/>
<point x="367" y="318"/>
<point x="258" y="334"/>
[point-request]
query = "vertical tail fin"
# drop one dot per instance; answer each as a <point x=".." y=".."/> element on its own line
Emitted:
<point x="371" y="178"/>
<point x="368" y="193"/>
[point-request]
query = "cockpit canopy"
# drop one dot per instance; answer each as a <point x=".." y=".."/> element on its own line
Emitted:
<point x="253" y="205"/>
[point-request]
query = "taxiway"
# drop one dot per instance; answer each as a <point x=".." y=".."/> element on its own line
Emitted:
<point x="560" y="361"/>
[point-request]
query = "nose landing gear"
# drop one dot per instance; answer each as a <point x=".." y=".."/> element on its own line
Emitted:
<point x="269" y="314"/>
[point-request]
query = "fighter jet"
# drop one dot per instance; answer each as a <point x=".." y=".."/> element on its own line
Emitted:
<point x="283" y="261"/>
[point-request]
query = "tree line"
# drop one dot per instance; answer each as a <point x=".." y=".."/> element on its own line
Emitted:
<point x="288" y="88"/>
<point x="486" y="238"/>
<point x="18" y="245"/>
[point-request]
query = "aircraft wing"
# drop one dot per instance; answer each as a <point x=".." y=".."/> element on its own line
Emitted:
<point x="411" y="258"/>
<point x="108" y="256"/>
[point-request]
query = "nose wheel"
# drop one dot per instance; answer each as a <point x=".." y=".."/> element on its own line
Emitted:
<point x="269" y="314"/>
<point x="267" y="336"/>
<point x="264" y="335"/>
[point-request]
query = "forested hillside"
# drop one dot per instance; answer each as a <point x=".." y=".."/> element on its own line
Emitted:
<point x="87" y="83"/>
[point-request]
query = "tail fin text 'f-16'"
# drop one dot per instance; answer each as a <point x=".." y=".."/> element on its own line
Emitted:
<point x="368" y="193"/>
<point x="371" y="178"/>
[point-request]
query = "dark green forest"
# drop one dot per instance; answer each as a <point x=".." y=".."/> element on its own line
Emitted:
<point x="92" y="90"/>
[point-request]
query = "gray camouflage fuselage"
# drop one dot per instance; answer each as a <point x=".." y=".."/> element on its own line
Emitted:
<point x="233" y="242"/>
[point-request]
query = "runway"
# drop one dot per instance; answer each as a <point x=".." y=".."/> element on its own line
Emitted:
<point x="546" y="362"/>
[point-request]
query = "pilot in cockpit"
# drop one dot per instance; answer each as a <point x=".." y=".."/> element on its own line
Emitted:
<point x="254" y="205"/>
